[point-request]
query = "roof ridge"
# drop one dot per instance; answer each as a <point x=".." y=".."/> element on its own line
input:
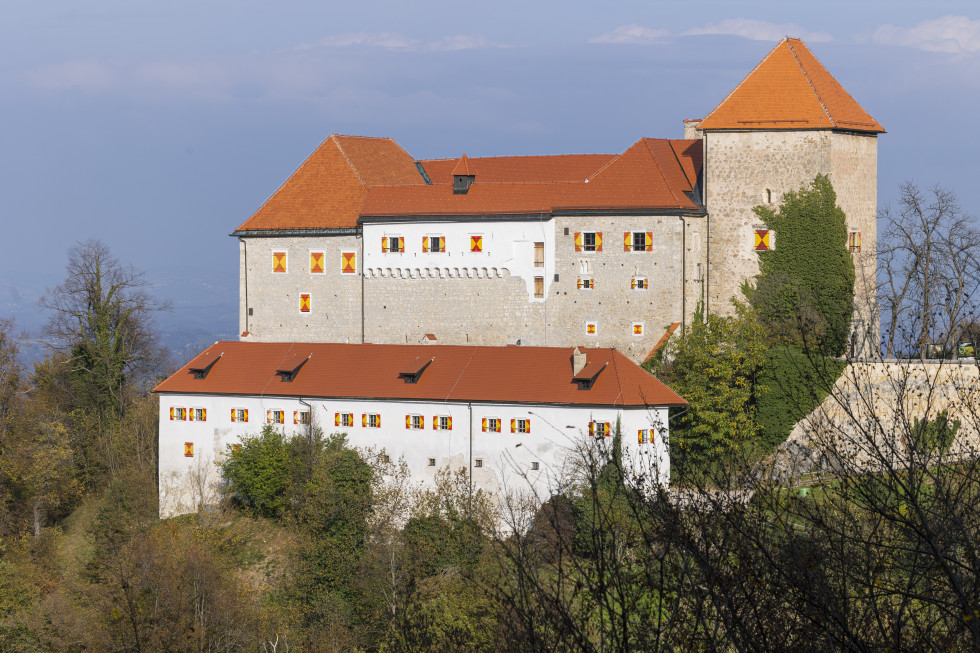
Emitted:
<point x="334" y="137"/>
<point x="660" y="169"/>
<point x="813" y="88"/>
<point x="613" y="160"/>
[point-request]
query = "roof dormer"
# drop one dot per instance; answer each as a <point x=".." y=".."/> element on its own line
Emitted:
<point x="463" y="176"/>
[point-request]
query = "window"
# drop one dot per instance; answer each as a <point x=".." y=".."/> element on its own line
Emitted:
<point x="275" y="417"/>
<point x="764" y="240"/>
<point x="348" y="263"/>
<point x="197" y="414"/>
<point x="279" y="262"/>
<point x="188" y="449"/>
<point x="644" y="436"/>
<point x="491" y="425"/>
<point x="343" y="419"/>
<point x="432" y="462"/>
<point x="639" y="283"/>
<point x="304" y="302"/>
<point x="588" y="241"/>
<point x="476" y="243"/>
<point x="591" y="328"/>
<point x="520" y="426"/>
<point x="600" y="429"/>
<point x="393" y="244"/>
<point x="854" y="242"/>
<point x="539" y="287"/>
<point x="415" y="422"/>
<point x="371" y="420"/>
<point x="435" y="244"/>
<point x="637" y="329"/>
<point x="178" y="414"/>
<point x="301" y="417"/>
<point x="539" y="255"/>
<point x="478" y="462"/>
<point x="638" y="241"/>
<point x="239" y="414"/>
<point x="535" y="466"/>
<point x="442" y="423"/>
<point x="586" y="284"/>
<point x="316" y="263"/>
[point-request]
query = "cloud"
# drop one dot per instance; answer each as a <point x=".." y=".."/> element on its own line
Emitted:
<point x="759" y="30"/>
<point x="952" y="34"/>
<point x="80" y="75"/>
<point x="395" y="41"/>
<point x="632" y="34"/>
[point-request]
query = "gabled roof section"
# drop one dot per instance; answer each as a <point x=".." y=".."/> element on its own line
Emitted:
<point x="463" y="167"/>
<point x="790" y="89"/>
<point x="523" y="375"/>
<point x="653" y="174"/>
<point x="328" y="189"/>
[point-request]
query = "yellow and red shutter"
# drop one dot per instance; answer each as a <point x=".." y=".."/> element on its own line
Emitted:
<point x="527" y="425"/>
<point x="628" y="241"/>
<point x="364" y="419"/>
<point x="171" y="413"/>
<point x="761" y="240"/>
<point x="188" y="449"/>
<point x="637" y="329"/>
<point x="633" y="283"/>
<point x="425" y="243"/>
<point x="442" y="244"/>
<point x="449" y="425"/>
<point x="598" y="241"/>
<point x="233" y="414"/>
<point x="591" y="429"/>
<point x="476" y="243"/>
<point x="578" y="241"/>
<point x="268" y="417"/>
<point x="316" y="262"/>
<point x="295" y="417"/>
<point x="384" y="244"/>
<point x="408" y="421"/>
<point x="304" y="302"/>
<point x="649" y="241"/>
<point x="348" y="263"/>
<point x="336" y="419"/>
<point x="484" y="425"/>
<point x="279" y="261"/>
<point x="246" y="415"/>
<point x="204" y="414"/>
<point x="639" y="436"/>
<point x="377" y="421"/>
<point x="608" y="429"/>
<point x="513" y="426"/>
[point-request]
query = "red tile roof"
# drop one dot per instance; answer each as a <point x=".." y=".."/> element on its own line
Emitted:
<point x="651" y="174"/>
<point x="463" y="167"/>
<point x="561" y="167"/>
<point x="527" y="375"/>
<point x="328" y="189"/>
<point x="790" y="89"/>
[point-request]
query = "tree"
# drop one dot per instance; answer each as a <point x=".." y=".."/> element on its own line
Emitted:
<point x="805" y="287"/>
<point x="101" y="315"/>
<point x="930" y="264"/>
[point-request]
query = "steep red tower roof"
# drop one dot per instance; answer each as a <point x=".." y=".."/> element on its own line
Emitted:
<point x="790" y="89"/>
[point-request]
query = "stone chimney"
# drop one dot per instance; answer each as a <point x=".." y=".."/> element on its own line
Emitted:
<point x="691" y="128"/>
<point x="578" y="361"/>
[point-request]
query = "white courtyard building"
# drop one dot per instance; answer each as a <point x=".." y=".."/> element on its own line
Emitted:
<point x="512" y="417"/>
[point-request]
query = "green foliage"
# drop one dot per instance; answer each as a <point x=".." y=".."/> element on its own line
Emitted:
<point x="714" y="367"/>
<point x="804" y="293"/>
<point x="934" y="436"/>
<point x="260" y="472"/>
<point x="790" y="385"/>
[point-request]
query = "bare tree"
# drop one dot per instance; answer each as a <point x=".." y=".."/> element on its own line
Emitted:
<point x="930" y="263"/>
<point x="101" y="315"/>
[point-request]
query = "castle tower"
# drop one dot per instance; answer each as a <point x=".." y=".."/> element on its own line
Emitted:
<point x="787" y="121"/>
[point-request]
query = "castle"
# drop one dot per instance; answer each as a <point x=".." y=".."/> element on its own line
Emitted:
<point x="363" y="243"/>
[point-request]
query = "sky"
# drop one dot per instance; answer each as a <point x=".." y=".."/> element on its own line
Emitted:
<point x="159" y="127"/>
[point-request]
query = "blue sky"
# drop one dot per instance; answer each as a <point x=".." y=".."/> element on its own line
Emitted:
<point x="159" y="127"/>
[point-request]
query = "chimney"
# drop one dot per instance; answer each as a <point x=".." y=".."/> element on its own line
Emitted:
<point x="578" y="361"/>
<point x="463" y="176"/>
<point x="691" y="128"/>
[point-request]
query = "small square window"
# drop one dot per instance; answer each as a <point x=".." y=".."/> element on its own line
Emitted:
<point x="644" y="436"/>
<point x="279" y="262"/>
<point x="239" y="414"/>
<point x="588" y="241"/>
<point x="393" y="244"/>
<point x="371" y="420"/>
<point x="520" y="426"/>
<point x="854" y="242"/>
<point x="638" y="241"/>
<point x="535" y="466"/>
<point x="442" y="423"/>
<point x="476" y="243"/>
<point x="591" y="328"/>
<point x="304" y="302"/>
<point x="301" y="417"/>
<point x="434" y="244"/>
<point x="639" y="283"/>
<point x="343" y="419"/>
<point x="600" y="429"/>
<point x="490" y="425"/>
<point x="198" y="414"/>
<point x="764" y="239"/>
<point x="432" y="462"/>
<point x="478" y="462"/>
<point x="275" y="417"/>
<point x="415" y="422"/>
<point x="586" y="283"/>
<point x="178" y="414"/>
<point x="637" y="329"/>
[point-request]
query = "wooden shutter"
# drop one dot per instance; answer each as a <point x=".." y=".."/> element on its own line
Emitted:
<point x="598" y="241"/>
<point x="316" y="262"/>
<point x="189" y="449"/>
<point x="377" y="421"/>
<point x="204" y="414"/>
<point x="649" y="241"/>
<point x="513" y="426"/>
<point x="295" y="417"/>
<point x="246" y="414"/>
<point x="384" y="244"/>
<point x="591" y="429"/>
<point x="233" y="415"/>
<point x="268" y="417"/>
<point x="476" y="243"/>
<point x="633" y="283"/>
<point x="442" y="244"/>
<point x="364" y="419"/>
<point x="425" y="243"/>
<point x="279" y="261"/>
<point x="578" y="241"/>
<point x="639" y="436"/>
<point x="608" y="429"/>
<point x="336" y="419"/>
<point x="628" y="241"/>
<point x="408" y="421"/>
<point x="527" y="425"/>
<point x="171" y="413"/>
<point x="762" y="240"/>
<point x="449" y="423"/>
<point x="484" y="425"/>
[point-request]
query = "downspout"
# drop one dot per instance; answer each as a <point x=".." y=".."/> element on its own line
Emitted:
<point x="362" y="284"/>
<point x="469" y="407"/>
<point x="683" y="274"/>
<point x="245" y="265"/>
<point x="706" y="275"/>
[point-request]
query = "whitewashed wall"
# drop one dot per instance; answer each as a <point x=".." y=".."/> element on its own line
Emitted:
<point x="507" y="247"/>
<point x="557" y="433"/>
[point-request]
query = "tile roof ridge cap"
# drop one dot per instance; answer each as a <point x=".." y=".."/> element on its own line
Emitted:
<point x="806" y="76"/>
<point x="336" y="141"/>
<point x="739" y="85"/>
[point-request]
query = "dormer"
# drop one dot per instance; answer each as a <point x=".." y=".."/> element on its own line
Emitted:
<point x="584" y="372"/>
<point x="200" y="368"/>
<point x="463" y="176"/>
<point x="290" y="367"/>
<point x="412" y="371"/>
